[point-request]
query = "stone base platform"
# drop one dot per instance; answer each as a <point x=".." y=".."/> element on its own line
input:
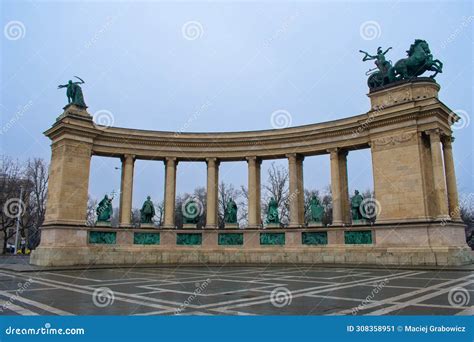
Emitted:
<point x="353" y="255"/>
<point x="415" y="244"/>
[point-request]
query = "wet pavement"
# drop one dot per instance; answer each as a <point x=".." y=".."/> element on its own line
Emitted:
<point x="246" y="290"/>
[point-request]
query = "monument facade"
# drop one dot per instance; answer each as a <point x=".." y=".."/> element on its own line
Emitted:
<point x="407" y="130"/>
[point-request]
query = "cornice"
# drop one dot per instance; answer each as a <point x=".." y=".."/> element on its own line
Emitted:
<point x="350" y="133"/>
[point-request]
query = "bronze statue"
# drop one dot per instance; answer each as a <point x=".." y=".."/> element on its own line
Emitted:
<point x="418" y="61"/>
<point x="316" y="210"/>
<point x="147" y="212"/>
<point x="272" y="212"/>
<point x="104" y="209"/>
<point x="230" y="215"/>
<point x="356" y="202"/>
<point x="74" y="92"/>
<point x="191" y="211"/>
<point x="382" y="64"/>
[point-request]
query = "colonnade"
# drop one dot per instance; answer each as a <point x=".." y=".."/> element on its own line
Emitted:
<point x="444" y="188"/>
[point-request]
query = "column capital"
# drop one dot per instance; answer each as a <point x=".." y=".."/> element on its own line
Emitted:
<point x="211" y="161"/>
<point x="294" y="156"/>
<point x="436" y="133"/>
<point x="253" y="159"/>
<point x="447" y="141"/>
<point x="173" y="160"/>
<point x="336" y="151"/>
<point x="128" y="157"/>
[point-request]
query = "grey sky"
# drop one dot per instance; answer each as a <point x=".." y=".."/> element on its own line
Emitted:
<point x="248" y="60"/>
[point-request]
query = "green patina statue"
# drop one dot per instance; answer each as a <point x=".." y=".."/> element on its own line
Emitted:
<point x="191" y="211"/>
<point x="230" y="215"/>
<point x="104" y="209"/>
<point x="356" y="202"/>
<point x="316" y="210"/>
<point x="74" y="92"/>
<point x="418" y="61"/>
<point x="147" y="212"/>
<point x="272" y="213"/>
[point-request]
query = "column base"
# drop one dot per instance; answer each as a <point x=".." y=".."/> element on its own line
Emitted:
<point x="359" y="222"/>
<point x="168" y="226"/>
<point x="293" y="225"/>
<point x="147" y="225"/>
<point x="254" y="227"/>
<point x="211" y="226"/>
<point x="337" y="223"/>
<point x="315" y="224"/>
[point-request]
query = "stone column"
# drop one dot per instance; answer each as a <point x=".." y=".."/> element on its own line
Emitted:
<point x="212" y="192"/>
<point x="345" y="202"/>
<point x="453" y="201"/>
<point x="301" y="193"/>
<point x="336" y="188"/>
<point x="170" y="192"/>
<point x="254" y="210"/>
<point x="126" y="190"/>
<point x="295" y="170"/>
<point x="439" y="181"/>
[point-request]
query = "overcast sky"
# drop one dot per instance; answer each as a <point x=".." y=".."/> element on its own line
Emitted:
<point x="155" y="65"/>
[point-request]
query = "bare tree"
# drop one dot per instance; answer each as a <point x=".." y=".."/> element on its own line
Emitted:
<point x="178" y="211"/>
<point x="136" y="217"/>
<point x="114" y="218"/>
<point x="91" y="211"/>
<point x="201" y="194"/>
<point x="10" y="181"/>
<point x="37" y="177"/>
<point x="466" y="207"/>
<point x="160" y="211"/>
<point x="326" y="201"/>
<point x="277" y="187"/>
<point x="243" y="213"/>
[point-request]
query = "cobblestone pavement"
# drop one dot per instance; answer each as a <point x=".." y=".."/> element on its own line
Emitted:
<point x="249" y="290"/>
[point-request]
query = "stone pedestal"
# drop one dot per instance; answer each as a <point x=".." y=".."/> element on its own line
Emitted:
<point x="231" y="226"/>
<point x="273" y="225"/>
<point x="407" y="183"/>
<point x="103" y="224"/>
<point x="73" y="110"/>
<point x="315" y="224"/>
<point x="359" y="222"/>
<point x="403" y="92"/>
<point x="189" y="226"/>
<point x="147" y="225"/>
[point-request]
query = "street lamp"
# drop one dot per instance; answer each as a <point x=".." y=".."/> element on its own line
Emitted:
<point x="18" y="215"/>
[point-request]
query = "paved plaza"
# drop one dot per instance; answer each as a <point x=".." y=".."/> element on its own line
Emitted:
<point x="249" y="290"/>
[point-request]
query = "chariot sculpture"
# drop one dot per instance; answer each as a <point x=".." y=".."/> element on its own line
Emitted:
<point x="419" y="60"/>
